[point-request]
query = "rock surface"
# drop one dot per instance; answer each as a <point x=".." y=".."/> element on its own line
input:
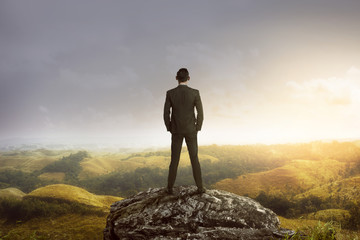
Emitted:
<point x="216" y="214"/>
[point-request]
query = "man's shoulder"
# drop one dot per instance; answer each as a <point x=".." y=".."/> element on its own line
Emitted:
<point x="192" y="89"/>
<point x="187" y="88"/>
<point x="195" y="91"/>
<point x="171" y="90"/>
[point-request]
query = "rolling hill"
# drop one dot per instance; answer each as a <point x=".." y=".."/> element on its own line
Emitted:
<point x="292" y="171"/>
<point x="29" y="161"/>
<point x="347" y="189"/>
<point x="293" y="178"/>
<point x="57" y="176"/>
<point x="338" y="215"/>
<point x="71" y="226"/>
<point x="73" y="194"/>
<point x="102" y="164"/>
<point x="11" y="193"/>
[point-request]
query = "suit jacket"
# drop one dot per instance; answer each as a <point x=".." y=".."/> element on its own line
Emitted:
<point x="182" y="101"/>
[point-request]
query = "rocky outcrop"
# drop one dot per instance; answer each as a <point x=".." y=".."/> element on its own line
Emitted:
<point x="216" y="214"/>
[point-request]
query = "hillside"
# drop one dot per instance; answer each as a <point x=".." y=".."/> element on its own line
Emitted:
<point x="327" y="215"/>
<point x="99" y="164"/>
<point x="73" y="194"/>
<point x="57" y="176"/>
<point x="71" y="226"/>
<point x="107" y="163"/>
<point x="313" y="228"/>
<point x="11" y="193"/>
<point x="342" y="190"/>
<point x="29" y="161"/>
<point x="290" y="179"/>
<point x="290" y="175"/>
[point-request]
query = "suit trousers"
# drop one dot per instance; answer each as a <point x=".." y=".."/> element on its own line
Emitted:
<point x="192" y="146"/>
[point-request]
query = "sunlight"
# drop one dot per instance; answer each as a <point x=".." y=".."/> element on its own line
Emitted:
<point x="301" y="111"/>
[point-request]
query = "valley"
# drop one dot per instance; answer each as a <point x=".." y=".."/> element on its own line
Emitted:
<point x="71" y="191"/>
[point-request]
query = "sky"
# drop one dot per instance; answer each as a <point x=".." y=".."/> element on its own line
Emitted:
<point x="268" y="71"/>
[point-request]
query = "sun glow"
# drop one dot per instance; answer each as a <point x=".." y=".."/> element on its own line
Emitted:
<point x="314" y="109"/>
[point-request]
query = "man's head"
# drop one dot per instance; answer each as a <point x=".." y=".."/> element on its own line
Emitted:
<point x="182" y="75"/>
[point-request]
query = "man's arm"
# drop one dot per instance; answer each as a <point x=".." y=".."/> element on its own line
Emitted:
<point x="199" y="110"/>
<point x="167" y="107"/>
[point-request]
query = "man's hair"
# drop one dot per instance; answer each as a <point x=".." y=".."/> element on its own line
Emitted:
<point x="182" y="75"/>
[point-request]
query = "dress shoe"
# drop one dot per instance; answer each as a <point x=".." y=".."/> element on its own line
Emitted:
<point x="169" y="191"/>
<point x="201" y="190"/>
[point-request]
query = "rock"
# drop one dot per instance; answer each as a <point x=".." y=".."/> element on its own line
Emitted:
<point x="216" y="214"/>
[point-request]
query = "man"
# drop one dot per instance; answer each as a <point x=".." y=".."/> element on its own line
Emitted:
<point x="180" y="120"/>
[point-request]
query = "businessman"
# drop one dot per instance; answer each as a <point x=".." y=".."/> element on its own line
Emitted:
<point x="181" y="121"/>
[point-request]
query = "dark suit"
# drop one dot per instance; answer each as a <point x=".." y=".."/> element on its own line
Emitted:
<point x="182" y="123"/>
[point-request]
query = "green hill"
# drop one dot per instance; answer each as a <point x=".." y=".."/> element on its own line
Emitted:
<point x="290" y="179"/>
<point x="327" y="215"/>
<point x="11" y="193"/>
<point x="103" y="164"/>
<point x="342" y="190"/>
<point x="70" y="226"/>
<point x="29" y="161"/>
<point x="73" y="194"/>
<point x="55" y="176"/>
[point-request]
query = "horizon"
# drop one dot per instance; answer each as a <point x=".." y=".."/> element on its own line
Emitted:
<point x="56" y="144"/>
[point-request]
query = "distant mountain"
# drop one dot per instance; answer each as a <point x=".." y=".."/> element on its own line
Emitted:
<point x="22" y="144"/>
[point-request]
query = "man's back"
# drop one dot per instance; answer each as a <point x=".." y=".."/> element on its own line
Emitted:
<point x="180" y="120"/>
<point x="182" y="101"/>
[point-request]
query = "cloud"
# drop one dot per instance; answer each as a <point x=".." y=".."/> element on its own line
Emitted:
<point x="332" y="91"/>
<point x="353" y="71"/>
<point x="123" y="77"/>
<point x="43" y="109"/>
<point x="94" y="67"/>
<point x="227" y="63"/>
<point x="48" y="123"/>
<point x="254" y="52"/>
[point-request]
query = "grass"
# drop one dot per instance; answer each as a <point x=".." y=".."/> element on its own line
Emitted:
<point x="80" y="227"/>
<point x="67" y="227"/>
<point x="348" y="189"/>
<point x="73" y="194"/>
<point x="103" y="164"/>
<point x="29" y="208"/>
<point x="29" y="161"/>
<point x="11" y="193"/>
<point x="328" y="215"/>
<point x="57" y="176"/>
<point x="317" y="230"/>
<point x="100" y="165"/>
<point x="290" y="179"/>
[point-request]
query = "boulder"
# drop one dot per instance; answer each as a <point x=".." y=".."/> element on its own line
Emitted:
<point x="216" y="214"/>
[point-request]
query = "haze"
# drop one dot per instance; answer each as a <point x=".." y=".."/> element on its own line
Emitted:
<point x="97" y="71"/>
